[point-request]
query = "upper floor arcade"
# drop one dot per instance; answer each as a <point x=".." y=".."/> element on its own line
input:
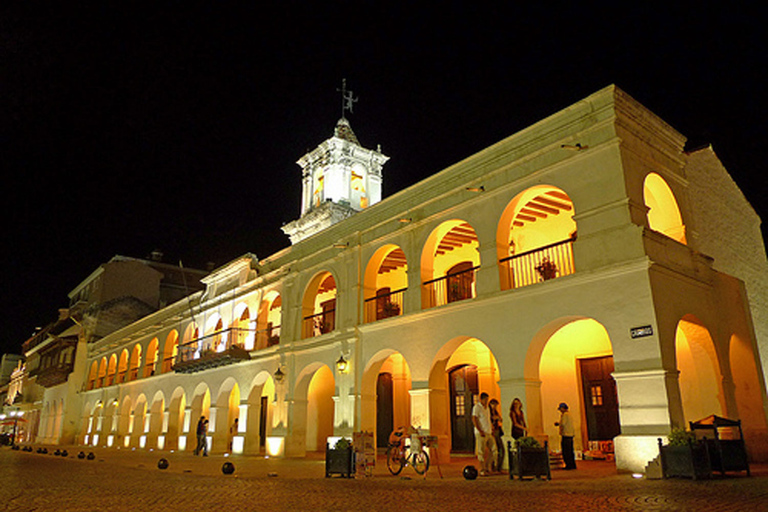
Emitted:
<point x="593" y="187"/>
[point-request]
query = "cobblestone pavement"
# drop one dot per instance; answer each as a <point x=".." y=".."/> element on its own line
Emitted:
<point x="130" y="480"/>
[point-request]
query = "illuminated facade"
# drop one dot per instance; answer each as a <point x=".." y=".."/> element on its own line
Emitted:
<point x="573" y="261"/>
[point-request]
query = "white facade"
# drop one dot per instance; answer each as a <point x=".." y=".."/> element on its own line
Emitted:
<point x="574" y="244"/>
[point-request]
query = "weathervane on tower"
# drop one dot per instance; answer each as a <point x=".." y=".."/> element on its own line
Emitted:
<point x="347" y="98"/>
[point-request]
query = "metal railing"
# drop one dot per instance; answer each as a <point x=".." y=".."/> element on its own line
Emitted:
<point x="542" y="264"/>
<point x="451" y="288"/>
<point x="384" y="305"/>
<point x="233" y="336"/>
<point x="320" y="323"/>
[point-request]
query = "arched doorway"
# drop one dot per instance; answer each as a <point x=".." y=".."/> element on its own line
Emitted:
<point x="449" y="260"/>
<point x="259" y="422"/>
<point x="176" y="427"/>
<point x="700" y="378"/>
<point x="319" y="306"/>
<point x="385" y="283"/>
<point x="535" y="237"/>
<point x="572" y="358"/>
<point x="462" y="369"/>
<point x="663" y="212"/>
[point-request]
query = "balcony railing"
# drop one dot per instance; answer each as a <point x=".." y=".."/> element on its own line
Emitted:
<point x="211" y="343"/>
<point x="384" y="305"/>
<point x="321" y="323"/>
<point x="268" y="337"/>
<point x="451" y="288"/>
<point x="542" y="264"/>
<point x="54" y="375"/>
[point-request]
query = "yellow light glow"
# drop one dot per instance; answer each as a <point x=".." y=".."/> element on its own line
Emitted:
<point x="275" y="446"/>
<point x="182" y="443"/>
<point x="238" y="444"/>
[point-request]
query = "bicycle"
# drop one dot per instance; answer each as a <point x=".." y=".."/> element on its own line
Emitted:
<point x="401" y="454"/>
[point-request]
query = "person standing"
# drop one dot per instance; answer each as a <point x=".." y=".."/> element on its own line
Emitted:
<point x="485" y="446"/>
<point x="567" y="432"/>
<point x="202" y="442"/>
<point x="498" y="431"/>
<point x="233" y="432"/>
<point x="519" y="428"/>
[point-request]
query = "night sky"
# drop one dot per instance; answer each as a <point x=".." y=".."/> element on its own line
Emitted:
<point x="127" y="127"/>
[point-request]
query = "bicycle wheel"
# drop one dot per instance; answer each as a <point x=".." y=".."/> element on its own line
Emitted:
<point x="421" y="462"/>
<point x="395" y="461"/>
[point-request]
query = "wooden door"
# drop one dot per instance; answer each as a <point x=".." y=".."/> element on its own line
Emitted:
<point x="601" y="404"/>
<point x="463" y="391"/>
<point x="385" y="423"/>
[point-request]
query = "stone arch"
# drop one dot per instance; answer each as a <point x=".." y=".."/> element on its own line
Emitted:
<point x="213" y="335"/>
<point x="388" y="395"/>
<point x="155" y="439"/>
<point x="102" y="378"/>
<point x="200" y="404"/>
<point x="111" y="370"/>
<point x="170" y="350"/>
<point x="558" y="366"/>
<point x="318" y="306"/>
<point x="384" y="283"/>
<point x="534" y="237"/>
<point x="93" y="375"/>
<point x="448" y="410"/>
<point x="125" y="423"/>
<point x="449" y="259"/>
<point x="122" y="367"/>
<point x="700" y="375"/>
<point x="241" y="333"/>
<point x="189" y="347"/>
<point x="750" y="396"/>
<point x="313" y="414"/>
<point x="138" y="423"/>
<point x="269" y="320"/>
<point x="150" y="361"/>
<point x="663" y="211"/>
<point x="259" y="421"/>
<point x="135" y="363"/>
<point x="176" y="420"/>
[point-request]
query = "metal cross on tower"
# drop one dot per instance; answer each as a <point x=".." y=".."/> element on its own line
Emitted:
<point x="347" y="98"/>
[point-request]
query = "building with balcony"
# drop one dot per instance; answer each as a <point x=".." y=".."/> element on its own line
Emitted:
<point x="587" y="259"/>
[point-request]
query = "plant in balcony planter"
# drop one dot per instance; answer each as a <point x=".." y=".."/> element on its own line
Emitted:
<point x="391" y="309"/>
<point x="528" y="458"/>
<point x="684" y="456"/>
<point x="340" y="460"/>
<point x="546" y="269"/>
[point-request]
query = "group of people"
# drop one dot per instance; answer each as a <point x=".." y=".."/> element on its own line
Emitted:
<point x="488" y="423"/>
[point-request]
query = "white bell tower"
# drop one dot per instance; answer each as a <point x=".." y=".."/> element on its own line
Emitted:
<point x="339" y="178"/>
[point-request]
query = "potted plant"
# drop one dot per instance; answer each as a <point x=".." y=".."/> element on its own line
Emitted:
<point x="528" y="458"/>
<point x="340" y="460"/>
<point x="684" y="456"/>
<point x="546" y="269"/>
<point x="391" y="309"/>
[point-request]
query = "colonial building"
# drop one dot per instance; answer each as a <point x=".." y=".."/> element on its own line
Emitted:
<point x="587" y="259"/>
<point x="119" y="292"/>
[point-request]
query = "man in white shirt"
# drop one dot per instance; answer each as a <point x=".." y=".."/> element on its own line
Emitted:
<point x="566" y="436"/>
<point x="485" y="445"/>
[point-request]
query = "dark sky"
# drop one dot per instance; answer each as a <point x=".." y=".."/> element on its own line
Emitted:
<point x="125" y="128"/>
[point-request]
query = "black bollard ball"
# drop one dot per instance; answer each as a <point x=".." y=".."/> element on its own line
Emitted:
<point x="228" y="468"/>
<point x="57" y="452"/>
<point x="15" y="447"/>
<point x="45" y="450"/>
<point x="90" y="456"/>
<point x="470" y="472"/>
<point x="64" y="453"/>
<point x="162" y="464"/>
<point x="81" y="455"/>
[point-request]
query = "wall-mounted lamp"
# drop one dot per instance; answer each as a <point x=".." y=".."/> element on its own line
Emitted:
<point x="342" y="364"/>
<point x="574" y="147"/>
<point x="481" y="188"/>
<point x="114" y="402"/>
<point x="404" y="220"/>
<point x="279" y="375"/>
<point x="341" y="246"/>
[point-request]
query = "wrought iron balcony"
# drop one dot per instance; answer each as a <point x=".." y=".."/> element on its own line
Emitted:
<point x="384" y="305"/>
<point x="451" y="288"/>
<point x="542" y="264"/>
